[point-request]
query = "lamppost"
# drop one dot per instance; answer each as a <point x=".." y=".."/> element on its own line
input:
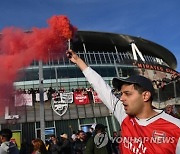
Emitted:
<point x="41" y="92"/>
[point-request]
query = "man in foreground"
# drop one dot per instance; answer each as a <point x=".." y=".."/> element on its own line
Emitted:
<point x="144" y="130"/>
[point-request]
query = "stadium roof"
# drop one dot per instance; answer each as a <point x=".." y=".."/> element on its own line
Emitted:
<point x="106" y="41"/>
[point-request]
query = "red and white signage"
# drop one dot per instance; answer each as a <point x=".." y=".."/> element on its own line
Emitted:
<point x="81" y="98"/>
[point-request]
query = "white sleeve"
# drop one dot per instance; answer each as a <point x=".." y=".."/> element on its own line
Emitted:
<point x="104" y="92"/>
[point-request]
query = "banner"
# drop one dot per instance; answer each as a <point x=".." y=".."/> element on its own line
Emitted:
<point x="38" y="97"/>
<point x="60" y="102"/>
<point x="66" y="97"/>
<point x="23" y="99"/>
<point x="81" y="98"/>
<point x="96" y="99"/>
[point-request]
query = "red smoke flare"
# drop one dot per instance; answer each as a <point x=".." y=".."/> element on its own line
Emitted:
<point x="18" y="49"/>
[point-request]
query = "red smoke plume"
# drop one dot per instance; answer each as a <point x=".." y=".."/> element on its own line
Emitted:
<point x="18" y="49"/>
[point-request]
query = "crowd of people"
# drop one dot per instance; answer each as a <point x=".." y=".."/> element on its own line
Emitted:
<point x="160" y="83"/>
<point x="79" y="142"/>
<point x="51" y="91"/>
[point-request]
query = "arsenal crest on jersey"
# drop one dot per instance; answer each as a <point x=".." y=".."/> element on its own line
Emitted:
<point x="60" y="102"/>
<point x="159" y="136"/>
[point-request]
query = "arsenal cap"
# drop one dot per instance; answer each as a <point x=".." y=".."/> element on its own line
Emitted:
<point x="134" y="79"/>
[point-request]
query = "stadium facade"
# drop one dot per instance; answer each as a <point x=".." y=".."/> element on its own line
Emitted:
<point x="71" y="104"/>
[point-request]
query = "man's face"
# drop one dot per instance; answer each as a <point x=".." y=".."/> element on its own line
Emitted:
<point x="52" y="138"/>
<point x="132" y="100"/>
<point x="81" y="135"/>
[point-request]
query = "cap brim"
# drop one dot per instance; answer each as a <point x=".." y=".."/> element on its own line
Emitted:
<point x="117" y="82"/>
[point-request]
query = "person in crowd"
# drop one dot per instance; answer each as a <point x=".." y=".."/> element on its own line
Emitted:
<point x="146" y="127"/>
<point x="66" y="147"/>
<point x="39" y="147"/>
<point x="97" y="143"/>
<point x="80" y="143"/>
<point x="55" y="145"/>
<point x="169" y="109"/>
<point x="7" y="147"/>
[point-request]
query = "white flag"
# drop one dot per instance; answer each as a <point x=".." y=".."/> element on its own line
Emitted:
<point x="23" y="99"/>
<point x="38" y="97"/>
<point x="66" y="97"/>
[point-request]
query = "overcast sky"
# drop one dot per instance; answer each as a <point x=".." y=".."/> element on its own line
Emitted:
<point x="154" y="20"/>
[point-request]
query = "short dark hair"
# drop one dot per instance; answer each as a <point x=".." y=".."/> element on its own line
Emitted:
<point x="100" y="127"/>
<point x="7" y="133"/>
<point x="53" y="135"/>
<point x="141" y="90"/>
<point x="80" y="131"/>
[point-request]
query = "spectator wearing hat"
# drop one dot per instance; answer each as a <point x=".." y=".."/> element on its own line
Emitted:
<point x="65" y="148"/>
<point x="134" y="112"/>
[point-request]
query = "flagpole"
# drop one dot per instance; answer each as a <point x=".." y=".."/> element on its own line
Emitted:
<point x="41" y="92"/>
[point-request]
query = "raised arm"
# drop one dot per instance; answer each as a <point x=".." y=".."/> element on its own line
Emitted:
<point x="103" y="90"/>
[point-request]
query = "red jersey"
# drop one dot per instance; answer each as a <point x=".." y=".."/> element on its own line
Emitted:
<point x="157" y="135"/>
